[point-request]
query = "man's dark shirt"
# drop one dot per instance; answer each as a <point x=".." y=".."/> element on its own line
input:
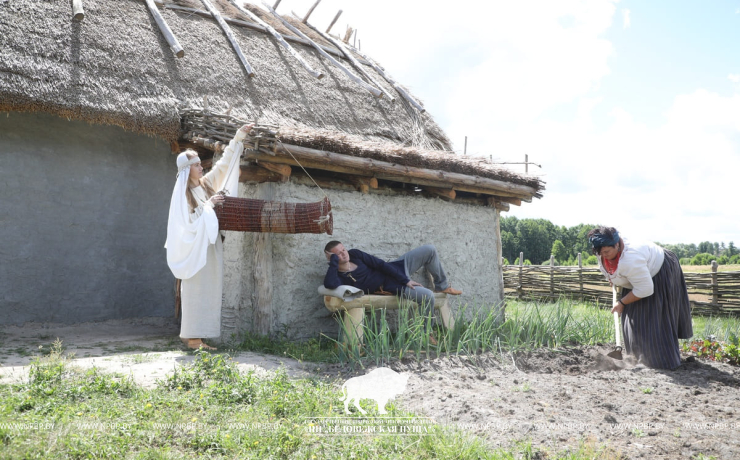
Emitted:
<point x="371" y="273"/>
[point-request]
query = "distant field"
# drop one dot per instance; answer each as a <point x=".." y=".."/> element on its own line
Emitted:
<point x="708" y="268"/>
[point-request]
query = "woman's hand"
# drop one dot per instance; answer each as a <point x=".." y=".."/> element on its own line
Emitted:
<point x="247" y="128"/>
<point x="618" y="307"/>
<point x="217" y="199"/>
<point x="412" y="284"/>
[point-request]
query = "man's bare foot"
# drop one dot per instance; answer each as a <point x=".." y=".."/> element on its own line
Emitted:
<point x="198" y="343"/>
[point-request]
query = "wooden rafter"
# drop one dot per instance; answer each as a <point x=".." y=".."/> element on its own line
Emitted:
<point x="230" y="35"/>
<point x="340" y="46"/>
<point x="390" y="80"/>
<point x="279" y="39"/>
<point x="78" y="12"/>
<point x="375" y="92"/>
<point x="165" y="29"/>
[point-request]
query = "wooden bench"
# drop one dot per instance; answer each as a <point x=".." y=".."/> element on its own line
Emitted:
<point x="354" y="311"/>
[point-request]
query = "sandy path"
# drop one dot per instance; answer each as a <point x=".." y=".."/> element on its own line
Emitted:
<point x="146" y="349"/>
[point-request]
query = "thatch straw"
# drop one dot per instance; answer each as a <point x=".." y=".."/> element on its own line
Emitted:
<point x="116" y="68"/>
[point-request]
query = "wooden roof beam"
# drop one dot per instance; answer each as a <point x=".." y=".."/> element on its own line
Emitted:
<point x="282" y="169"/>
<point x="279" y="39"/>
<point x="78" y="11"/>
<point x="339" y="13"/>
<point x="259" y="174"/>
<point x="340" y="46"/>
<point x="375" y="92"/>
<point x="230" y="35"/>
<point x="444" y="193"/>
<point x="165" y="29"/>
<point x="364" y="184"/>
<point x="495" y="202"/>
<point x="329" y="161"/>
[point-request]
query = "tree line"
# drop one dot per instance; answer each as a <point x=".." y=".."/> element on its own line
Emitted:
<point x="538" y="238"/>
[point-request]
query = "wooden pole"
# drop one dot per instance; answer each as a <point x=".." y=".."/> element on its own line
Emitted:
<point x="521" y="268"/>
<point x="274" y="7"/>
<point x="351" y="59"/>
<point x="330" y="161"/>
<point x="339" y="13"/>
<point x="230" y="35"/>
<point x="580" y="275"/>
<point x="465" y="149"/>
<point x="376" y="92"/>
<point x="390" y="80"/>
<point x="305" y="19"/>
<point x="715" y="284"/>
<point x="526" y="163"/>
<point x="279" y="39"/>
<point x="165" y="29"/>
<point x="77" y="10"/>
<point x="552" y="274"/>
<point x="262" y="273"/>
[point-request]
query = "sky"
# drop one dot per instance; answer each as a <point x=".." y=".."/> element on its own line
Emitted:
<point x="632" y="108"/>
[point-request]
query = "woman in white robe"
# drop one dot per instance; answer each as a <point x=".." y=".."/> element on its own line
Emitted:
<point x="194" y="246"/>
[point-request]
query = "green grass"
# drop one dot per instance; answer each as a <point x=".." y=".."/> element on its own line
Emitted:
<point x="723" y="328"/>
<point x="528" y="325"/>
<point x="209" y="409"/>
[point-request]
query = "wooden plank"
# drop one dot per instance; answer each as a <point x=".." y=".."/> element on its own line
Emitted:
<point x="78" y="11"/>
<point x="279" y="39"/>
<point x="514" y="201"/>
<point x="340" y="46"/>
<point x="374" y="91"/>
<point x="305" y="19"/>
<point x="230" y="35"/>
<point x="165" y="29"/>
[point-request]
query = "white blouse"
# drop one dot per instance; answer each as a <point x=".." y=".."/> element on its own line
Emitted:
<point x="638" y="264"/>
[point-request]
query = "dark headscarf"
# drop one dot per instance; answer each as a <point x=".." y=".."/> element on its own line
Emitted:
<point x="599" y="240"/>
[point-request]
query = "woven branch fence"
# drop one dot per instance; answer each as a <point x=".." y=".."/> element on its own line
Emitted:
<point x="714" y="293"/>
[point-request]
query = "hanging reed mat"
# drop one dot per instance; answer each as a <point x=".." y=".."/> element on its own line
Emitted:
<point x="248" y="215"/>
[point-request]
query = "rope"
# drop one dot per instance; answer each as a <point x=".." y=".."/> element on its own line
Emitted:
<point x="304" y="169"/>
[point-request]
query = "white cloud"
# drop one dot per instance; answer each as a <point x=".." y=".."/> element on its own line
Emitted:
<point x="734" y="77"/>
<point x="626" y="23"/>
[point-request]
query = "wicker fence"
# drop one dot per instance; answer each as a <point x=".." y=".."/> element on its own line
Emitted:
<point x="714" y="293"/>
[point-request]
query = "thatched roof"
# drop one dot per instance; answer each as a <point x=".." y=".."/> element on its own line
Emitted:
<point x="115" y="67"/>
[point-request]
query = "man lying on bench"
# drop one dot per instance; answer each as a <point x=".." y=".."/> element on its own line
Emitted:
<point x="372" y="275"/>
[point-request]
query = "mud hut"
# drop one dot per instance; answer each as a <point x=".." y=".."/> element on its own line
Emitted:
<point x="96" y="102"/>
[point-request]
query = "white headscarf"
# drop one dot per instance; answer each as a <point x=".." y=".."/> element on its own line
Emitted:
<point x="187" y="242"/>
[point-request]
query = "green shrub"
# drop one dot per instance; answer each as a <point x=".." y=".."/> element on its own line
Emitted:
<point x="703" y="259"/>
<point x="547" y="262"/>
<point x="591" y="260"/>
<point x="735" y="259"/>
<point x="685" y="261"/>
<point x="723" y="260"/>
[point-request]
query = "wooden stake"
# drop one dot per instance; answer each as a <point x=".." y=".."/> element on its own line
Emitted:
<point x="351" y="59"/>
<point x="395" y="85"/>
<point x="165" y="29"/>
<point x="77" y="10"/>
<point x="305" y="19"/>
<point x="274" y="7"/>
<point x="375" y="92"/>
<point x="339" y="13"/>
<point x="279" y="39"/>
<point x="230" y="35"/>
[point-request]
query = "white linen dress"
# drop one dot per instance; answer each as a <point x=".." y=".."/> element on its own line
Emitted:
<point x="202" y="293"/>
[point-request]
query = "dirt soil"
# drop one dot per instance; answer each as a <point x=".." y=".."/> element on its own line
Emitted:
<point x="556" y="399"/>
<point x="552" y="399"/>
